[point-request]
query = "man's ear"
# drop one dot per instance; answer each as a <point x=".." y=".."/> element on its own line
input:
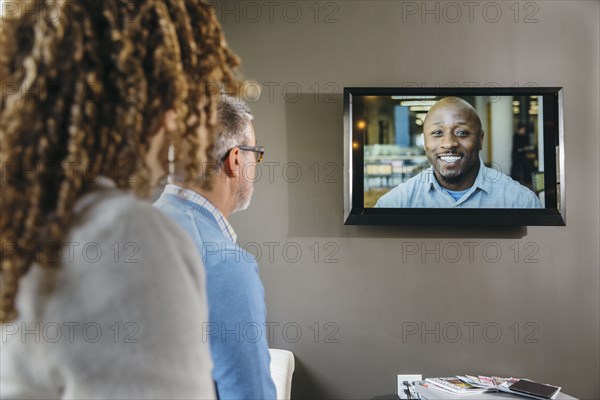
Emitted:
<point x="231" y="163"/>
<point x="481" y="136"/>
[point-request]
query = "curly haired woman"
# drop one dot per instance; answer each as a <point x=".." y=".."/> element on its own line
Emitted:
<point x="100" y="295"/>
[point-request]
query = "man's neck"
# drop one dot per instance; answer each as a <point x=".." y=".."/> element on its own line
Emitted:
<point x="217" y="196"/>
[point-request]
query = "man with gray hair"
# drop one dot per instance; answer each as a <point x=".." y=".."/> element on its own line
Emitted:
<point x="237" y="312"/>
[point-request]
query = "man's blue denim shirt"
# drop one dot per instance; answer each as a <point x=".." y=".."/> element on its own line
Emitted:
<point x="491" y="189"/>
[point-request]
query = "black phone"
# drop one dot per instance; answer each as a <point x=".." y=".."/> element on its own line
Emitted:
<point x="534" y="388"/>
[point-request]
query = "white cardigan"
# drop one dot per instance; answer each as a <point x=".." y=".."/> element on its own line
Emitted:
<point x="123" y="315"/>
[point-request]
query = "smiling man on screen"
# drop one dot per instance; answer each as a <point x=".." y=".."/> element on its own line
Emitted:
<point x="457" y="177"/>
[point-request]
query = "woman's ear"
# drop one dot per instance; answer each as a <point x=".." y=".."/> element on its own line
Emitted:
<point x="168" y="127"/>
<point x="155" y="157"/>
<point x="170" y="121"/>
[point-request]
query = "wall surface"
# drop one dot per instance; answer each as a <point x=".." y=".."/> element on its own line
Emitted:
<point x="358" y="305"/>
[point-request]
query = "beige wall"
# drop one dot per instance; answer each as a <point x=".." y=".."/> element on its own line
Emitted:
<point x="356" y="312"/>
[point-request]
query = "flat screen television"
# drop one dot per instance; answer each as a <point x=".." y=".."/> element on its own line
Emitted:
<point x="454" y="156"/>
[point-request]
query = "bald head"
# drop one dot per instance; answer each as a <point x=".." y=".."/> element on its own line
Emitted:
<point x="453" y="138"/>
<point x="449" y="104"/>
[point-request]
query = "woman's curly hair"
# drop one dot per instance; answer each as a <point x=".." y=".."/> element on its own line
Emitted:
<point x="85" y="86"/>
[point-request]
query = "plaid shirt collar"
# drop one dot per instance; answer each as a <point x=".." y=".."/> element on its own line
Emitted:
<point x="203" y="202"/>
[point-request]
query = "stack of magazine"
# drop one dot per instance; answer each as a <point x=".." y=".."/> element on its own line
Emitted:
<point x="454" y="385"/>
<point x="468" y="384"/>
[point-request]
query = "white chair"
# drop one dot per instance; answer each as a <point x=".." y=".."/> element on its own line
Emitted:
<point x="282" y="368"/>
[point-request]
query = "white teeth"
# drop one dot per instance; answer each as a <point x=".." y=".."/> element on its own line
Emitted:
<point x="450" y="159"/>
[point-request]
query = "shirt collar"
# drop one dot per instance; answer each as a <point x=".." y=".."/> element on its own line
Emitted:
<point x="484" y="178"/>
<point x="203" y="202"/>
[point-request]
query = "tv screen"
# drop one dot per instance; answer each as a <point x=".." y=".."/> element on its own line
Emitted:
<point x="441" y="156"/>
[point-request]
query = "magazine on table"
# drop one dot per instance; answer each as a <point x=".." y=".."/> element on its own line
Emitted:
<point x="469" y="384"/>
<point x="454" y="385"/>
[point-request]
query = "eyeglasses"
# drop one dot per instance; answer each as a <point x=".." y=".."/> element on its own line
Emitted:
<point x="259" y="151"/>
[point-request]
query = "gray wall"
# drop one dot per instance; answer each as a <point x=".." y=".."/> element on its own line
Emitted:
<point x="357" y="297"/>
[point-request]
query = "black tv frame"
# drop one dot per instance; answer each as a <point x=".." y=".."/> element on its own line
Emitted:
<point x="356" y="214"/>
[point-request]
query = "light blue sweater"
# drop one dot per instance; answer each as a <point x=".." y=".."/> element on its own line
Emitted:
<point x="236" y="330"/>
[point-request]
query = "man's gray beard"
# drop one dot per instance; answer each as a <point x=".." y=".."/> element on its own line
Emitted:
<point x="243" y="198"/>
